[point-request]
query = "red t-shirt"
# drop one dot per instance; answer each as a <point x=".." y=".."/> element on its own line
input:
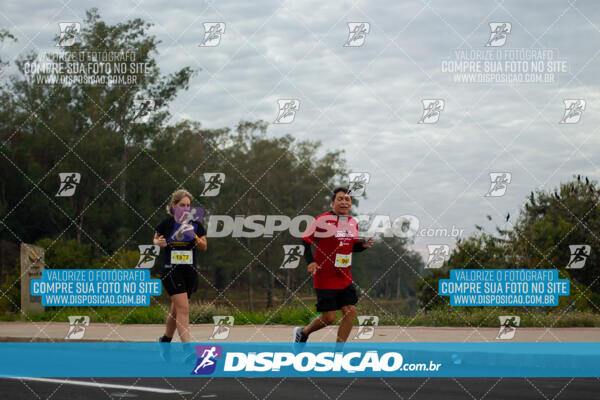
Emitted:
<point x="334" y="237"/>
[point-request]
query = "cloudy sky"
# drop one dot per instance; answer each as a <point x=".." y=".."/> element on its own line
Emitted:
<point x="367" y="99"/>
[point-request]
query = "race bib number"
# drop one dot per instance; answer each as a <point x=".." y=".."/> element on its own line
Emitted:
<point x="182" y="257"/>
<point x="343" y="260"/>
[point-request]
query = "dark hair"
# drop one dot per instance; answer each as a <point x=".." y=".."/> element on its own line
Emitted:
<point x="337" y="190"/>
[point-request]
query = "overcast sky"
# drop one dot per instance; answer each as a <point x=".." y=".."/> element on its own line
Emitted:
<point x="367" y="99"/>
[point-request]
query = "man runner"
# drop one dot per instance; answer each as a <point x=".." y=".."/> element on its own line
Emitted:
<point x="335" y="234"/>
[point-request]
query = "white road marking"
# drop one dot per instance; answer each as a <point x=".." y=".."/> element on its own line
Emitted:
<point x="99" y="385"/>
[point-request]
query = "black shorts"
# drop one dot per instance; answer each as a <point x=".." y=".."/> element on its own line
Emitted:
<point x="180" y="279"/>
<point x="335" y="299"/>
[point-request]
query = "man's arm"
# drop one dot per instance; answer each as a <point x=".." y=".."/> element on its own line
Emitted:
<point x="362" y="245"/>
<point x="308" y="256"/>
<point x="358" y="247"/>
<point x="313" y="267"/>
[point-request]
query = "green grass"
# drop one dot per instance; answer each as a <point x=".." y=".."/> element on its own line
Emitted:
<point x="202" y="313"/>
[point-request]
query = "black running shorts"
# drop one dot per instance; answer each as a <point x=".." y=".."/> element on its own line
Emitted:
<point x="180" y="279"/>
<point x="335" y="299"/>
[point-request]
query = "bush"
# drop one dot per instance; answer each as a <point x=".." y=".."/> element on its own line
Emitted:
<point x="122" y="259"/>
<point x="581" y="298"/>
<point x="202" y="313"/>
<point x="10" y="291"/>
<point x="427" y="289"/>
<point x="66" y="254"/>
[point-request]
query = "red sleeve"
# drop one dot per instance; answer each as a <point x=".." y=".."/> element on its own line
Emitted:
<point x="320" y="228"/>
<point x="309" y="235"/>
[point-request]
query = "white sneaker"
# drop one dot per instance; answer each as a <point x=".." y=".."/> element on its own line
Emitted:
<point x="299" y="337"/>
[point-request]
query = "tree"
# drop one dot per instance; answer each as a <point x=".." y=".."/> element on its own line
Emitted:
<point x="547" y="224"/>
<point x="85" y="128"/>
<point x="267" y="176"/>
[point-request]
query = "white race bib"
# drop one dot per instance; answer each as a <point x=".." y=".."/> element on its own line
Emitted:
<point x="343" y="260"/>
<point x="182" y="257"/>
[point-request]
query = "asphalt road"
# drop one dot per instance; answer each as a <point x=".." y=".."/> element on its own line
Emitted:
<point x="302" y="388"/>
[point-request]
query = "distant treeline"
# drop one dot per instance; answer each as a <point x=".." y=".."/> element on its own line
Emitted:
<point x="131" y="159"/>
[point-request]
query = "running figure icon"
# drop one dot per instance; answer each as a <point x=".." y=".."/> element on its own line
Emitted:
<point x="207" y="359"/>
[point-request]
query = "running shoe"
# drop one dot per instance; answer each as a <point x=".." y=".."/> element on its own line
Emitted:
<point x="299" y="336"/>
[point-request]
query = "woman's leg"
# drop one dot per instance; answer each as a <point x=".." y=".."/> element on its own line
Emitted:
<point x="182" y="310"/>
<point x="171" y="321"/>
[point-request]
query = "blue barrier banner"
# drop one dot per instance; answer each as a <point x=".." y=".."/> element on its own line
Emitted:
<point x="119" y="359"/>
<point x="95" y="287"/>
<point x="504" y="287"/>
